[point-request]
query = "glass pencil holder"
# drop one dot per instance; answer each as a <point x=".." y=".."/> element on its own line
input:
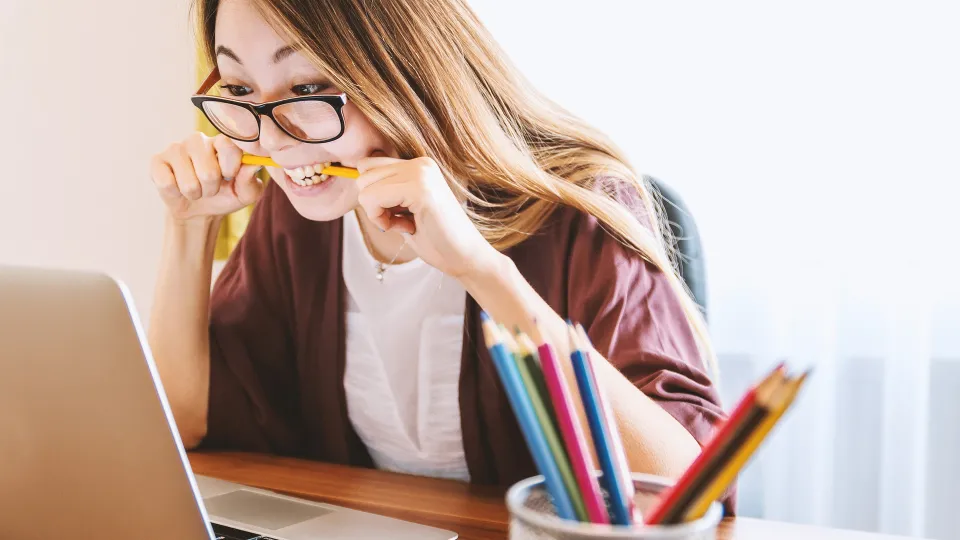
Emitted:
<point x="532" y="516"/>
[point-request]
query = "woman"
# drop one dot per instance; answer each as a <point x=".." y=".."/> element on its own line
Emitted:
<point x="345" y="326"/>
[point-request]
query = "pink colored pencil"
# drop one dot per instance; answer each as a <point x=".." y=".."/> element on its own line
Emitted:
<point x="573" y="436"/>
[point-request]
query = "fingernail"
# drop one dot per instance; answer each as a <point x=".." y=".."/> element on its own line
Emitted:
<point x="381" y="230"/>
<point x="228" y="178"/>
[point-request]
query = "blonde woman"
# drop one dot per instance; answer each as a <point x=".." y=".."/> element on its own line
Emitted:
<point x="345" y="325"/>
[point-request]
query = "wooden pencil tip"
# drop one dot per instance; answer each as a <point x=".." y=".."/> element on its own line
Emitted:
<point x="526" y="344"/>
<point x="507" y="339"/>
<point x="490" y="334"/>
<point x="572" y="334"/>
<point x="582" y="334"/>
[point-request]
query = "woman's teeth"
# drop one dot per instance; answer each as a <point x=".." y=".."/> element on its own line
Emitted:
<point x="309" y="175"/>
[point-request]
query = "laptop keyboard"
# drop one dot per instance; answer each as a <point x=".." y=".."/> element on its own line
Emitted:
<point x="223" y="532"/>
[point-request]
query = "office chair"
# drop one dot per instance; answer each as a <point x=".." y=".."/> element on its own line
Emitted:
<point x="687" y="237"/>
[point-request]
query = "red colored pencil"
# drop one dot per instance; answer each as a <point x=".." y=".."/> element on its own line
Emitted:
<point x="668" y="501"/>
<point x="573" y="436"/>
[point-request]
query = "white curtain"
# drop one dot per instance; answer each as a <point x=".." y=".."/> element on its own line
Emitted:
<point x="818" y="147"/>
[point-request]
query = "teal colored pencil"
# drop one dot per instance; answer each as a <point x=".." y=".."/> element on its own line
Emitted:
<point x="548" y="424"/>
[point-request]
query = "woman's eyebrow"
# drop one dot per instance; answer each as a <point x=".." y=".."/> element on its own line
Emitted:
<point x="226" y="51"/>
<point x="281" y="54"/>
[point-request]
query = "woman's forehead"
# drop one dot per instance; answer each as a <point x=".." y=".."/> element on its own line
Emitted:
<point x="244" y="40"/>
<point x="241" y="28"/>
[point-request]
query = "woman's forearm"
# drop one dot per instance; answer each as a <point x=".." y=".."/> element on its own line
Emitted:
<point x="179" y="322"/>
<point x="654" y="441"/>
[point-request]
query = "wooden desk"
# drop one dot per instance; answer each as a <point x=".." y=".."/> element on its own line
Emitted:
<point x="475" y="512"/>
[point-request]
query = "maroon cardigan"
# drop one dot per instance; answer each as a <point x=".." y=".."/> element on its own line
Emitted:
<point x="277" y="341"/>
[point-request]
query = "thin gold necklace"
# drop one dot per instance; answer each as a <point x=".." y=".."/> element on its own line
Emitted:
<point x="379" y="267"/>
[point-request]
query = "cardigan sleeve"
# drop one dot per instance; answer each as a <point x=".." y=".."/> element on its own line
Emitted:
<point x="635" y="320"/>
<point x="251" y="351"/>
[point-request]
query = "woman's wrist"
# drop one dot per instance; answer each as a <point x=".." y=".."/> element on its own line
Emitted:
<point x="190" y="244"/>
<point x="201" y="231"/>
<point x="201" y="225"/>
<point x="486" y="272"/>
<point x="503" y="292"/>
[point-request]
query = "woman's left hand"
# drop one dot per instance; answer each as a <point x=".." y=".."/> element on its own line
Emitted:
<point x="440" y="231"/>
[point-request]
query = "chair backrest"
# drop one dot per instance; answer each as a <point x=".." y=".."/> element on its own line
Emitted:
<point x="687" y="237"/>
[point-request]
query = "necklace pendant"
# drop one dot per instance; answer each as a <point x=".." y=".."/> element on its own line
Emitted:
<point x="380" y="268"/>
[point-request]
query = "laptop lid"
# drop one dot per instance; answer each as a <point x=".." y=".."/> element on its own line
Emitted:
<point x="87" y="443"/>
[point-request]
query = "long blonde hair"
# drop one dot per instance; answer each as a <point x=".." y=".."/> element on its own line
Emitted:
<point x="431" y="78"/>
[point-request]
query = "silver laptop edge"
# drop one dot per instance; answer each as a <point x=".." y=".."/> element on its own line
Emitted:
<point x="51" y="390"/>
<point x="161" y="393"/>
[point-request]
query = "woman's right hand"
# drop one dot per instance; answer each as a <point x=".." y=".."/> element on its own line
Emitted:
<point x="202" y="177"/>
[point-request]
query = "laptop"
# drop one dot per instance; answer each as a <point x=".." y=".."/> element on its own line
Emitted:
<point x="88" y="445"/>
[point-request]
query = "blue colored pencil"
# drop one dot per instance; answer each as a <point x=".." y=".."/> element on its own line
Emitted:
<point x="619" y="455"/>
<point x="621" y="500"/>
<point x="529" y="425"/>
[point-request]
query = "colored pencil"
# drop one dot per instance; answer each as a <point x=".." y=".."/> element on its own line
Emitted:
<point x="619" y="506"/>
<point x="530" y="357"/>
<point x="668" y="504"/>
<point x="718" y="485"/>
<point x="346" y="172"/>
<point x="572" y="432"/>
<point x="527" y="419"/>
<point x="528" y="368"/>
<point x="545" y="407"/>
<point x="741" y="433"/>
<point x="624" y="475"/>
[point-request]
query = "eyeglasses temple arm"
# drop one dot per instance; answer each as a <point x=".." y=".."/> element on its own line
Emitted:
<point x="209" y="81"/>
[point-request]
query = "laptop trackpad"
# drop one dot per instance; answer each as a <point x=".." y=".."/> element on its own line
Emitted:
<point x="259" y="510"/>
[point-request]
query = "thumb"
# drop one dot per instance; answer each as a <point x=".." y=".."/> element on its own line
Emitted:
<point x="247" y="186"/>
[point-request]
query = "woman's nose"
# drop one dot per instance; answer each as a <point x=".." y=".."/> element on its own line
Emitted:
<point x="272" y="138"/>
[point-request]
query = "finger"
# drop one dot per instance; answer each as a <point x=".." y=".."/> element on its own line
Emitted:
<point x="228" y="156"/>
<point x="384" y="199"/>
<point x="247" y="186"/>
<point x="164" y="180"/>
<point x="369" y="163"/>
<point x="372" y="176"/>
<point x="402" y="223"/>
<point x="204" y="159"/>
<point x="187" y="181"/>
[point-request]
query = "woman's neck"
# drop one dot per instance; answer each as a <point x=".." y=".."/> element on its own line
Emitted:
<point x="384" y="246"/>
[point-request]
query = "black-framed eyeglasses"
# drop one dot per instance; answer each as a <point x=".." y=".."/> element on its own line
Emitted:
<point x="309" y="119"/>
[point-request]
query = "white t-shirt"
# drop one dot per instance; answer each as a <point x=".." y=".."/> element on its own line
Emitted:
<point x="404" y="344"/>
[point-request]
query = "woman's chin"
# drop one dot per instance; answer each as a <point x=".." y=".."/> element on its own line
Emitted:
<point x="325" y="201"/>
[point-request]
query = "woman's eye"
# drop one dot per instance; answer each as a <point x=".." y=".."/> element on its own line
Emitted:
<point x="308" y="89"/>
<point x="235" y="90"/>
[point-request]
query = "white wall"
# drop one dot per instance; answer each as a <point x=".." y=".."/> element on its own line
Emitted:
<point x="785" y="113"/>
<point x="90" y="91"/>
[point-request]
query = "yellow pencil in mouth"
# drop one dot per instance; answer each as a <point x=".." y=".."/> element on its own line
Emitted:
<point x="331" y="170"/>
